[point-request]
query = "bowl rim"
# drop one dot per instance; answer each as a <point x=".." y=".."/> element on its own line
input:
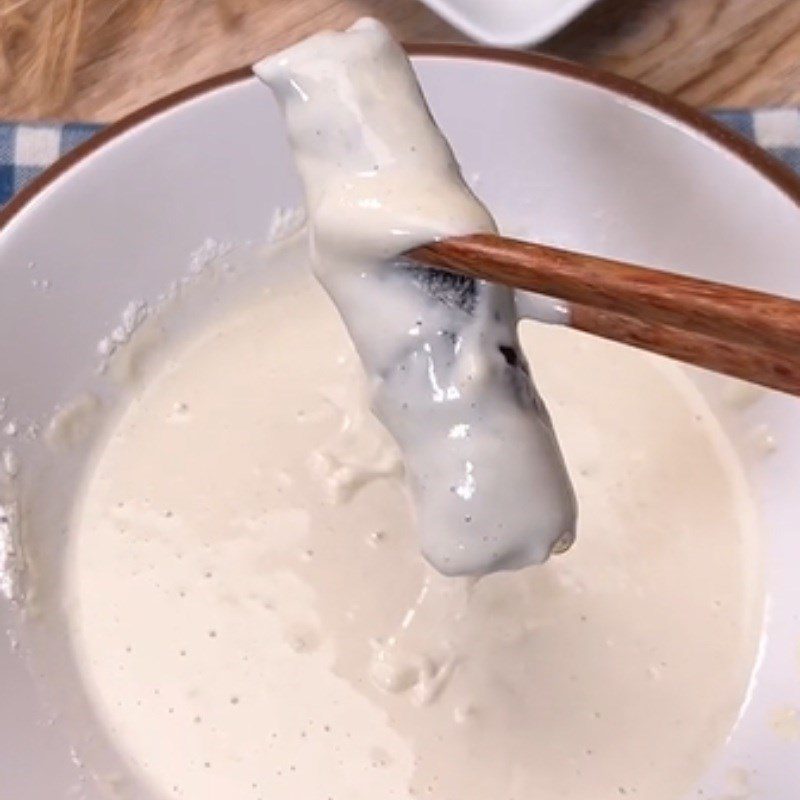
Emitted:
<point x="536" y="30"/>
<point x="769" y="167"/>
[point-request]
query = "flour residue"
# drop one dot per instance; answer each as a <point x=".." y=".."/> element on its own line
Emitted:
<point x="10" y="550"/>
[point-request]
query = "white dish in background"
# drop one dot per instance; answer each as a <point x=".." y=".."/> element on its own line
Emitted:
<point x="559" y="153"/>
<point x="509" y="23"/>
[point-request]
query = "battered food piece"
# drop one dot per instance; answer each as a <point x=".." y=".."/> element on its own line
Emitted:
<point x="448" y="378"/>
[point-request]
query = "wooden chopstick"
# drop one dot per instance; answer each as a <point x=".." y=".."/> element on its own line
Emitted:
<point x="741" y="332"/>
<point x="768" y="368"/>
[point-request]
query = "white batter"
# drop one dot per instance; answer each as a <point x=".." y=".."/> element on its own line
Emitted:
<point x="253" y="620"/>
<point x="447" y="376"/>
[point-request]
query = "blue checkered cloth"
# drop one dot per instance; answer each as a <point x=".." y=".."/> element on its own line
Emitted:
<point x="26" y="150"/>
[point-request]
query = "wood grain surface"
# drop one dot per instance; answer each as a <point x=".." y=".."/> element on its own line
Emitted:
<point x="707" y="52"/>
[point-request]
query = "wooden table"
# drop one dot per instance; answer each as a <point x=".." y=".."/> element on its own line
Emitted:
<point x="707" y="52"/>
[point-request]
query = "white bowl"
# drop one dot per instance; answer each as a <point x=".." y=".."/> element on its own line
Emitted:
<point x="568" y="156"/>
<point x="509" y="23"/>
